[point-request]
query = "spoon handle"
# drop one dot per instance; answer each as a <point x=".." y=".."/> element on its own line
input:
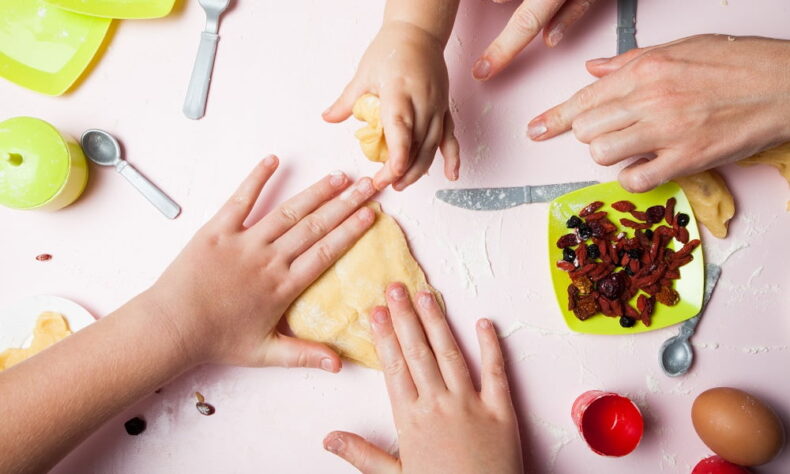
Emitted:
<point x="712" y="274"/>
<point x="155" y="196"/>
<point x="197" y="93"/>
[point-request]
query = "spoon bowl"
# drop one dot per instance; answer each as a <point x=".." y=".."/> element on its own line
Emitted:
<point x="677" y="355"/>
<point x="101" y="148"/>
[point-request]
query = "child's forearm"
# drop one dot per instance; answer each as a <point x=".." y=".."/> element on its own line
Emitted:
<point x="436" y="17"/>
<point x="52" y="402"/>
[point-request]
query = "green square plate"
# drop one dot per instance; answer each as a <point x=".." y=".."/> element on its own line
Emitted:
<point x="44" y="48"/>
<point x="692" y="275"/>
<point x="121" y="9"/>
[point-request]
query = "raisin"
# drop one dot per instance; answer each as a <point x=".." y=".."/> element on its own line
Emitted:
<point x="683" y="219"/>
<point x="135" y="426"/>
<point x="655" y="214"/>
<point x="567" y="240"/>
<point x="667" y="296"/>
<point x="568" y="254"/>
<point x="573" y="222"/>
<point x="627" y="322"/>
<point x="635" y="254"/>
<point x="204" y="408"/>
<point x="593" y="251"/>
<point x="613" y="286"/>
<point x="649" y="234"/>
<point x="585" y="232"/>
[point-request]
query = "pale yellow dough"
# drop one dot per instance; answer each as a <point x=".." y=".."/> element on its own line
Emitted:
<point x="335" y="309"/>
<point x="50" y="328"/>
<point x="778" y="157"/>
<point x="371" y="137"/>
<point x="711" y="200"/>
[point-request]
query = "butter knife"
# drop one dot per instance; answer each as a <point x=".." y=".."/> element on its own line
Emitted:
<point x="626" y="25"/>
<point x="492" y="199"/>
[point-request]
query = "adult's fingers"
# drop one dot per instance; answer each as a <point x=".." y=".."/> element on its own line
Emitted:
<point x="448" y="355"/>
<point x="526" y="22"/>
<point x="342" y="107"/>
<point x="397" y="118"/>
<point x="604" y="66"/>
<point x="644" y="175"/>
<point x="400" y="384"/>
<point x="570" y="13"/>
<point x="363" y="455"/>
<point x="416" y="350"/>
<point x="559" y="119"/>
<point x="318" y="258"/>
<point x="316" y="225"/>
<point x="451" y="150"/>
<point x="289" y="213"/>
<point x="286" y="351"/>
<point x="425" y="155"/>
<point x="615" y="115"/>
<point x="238" y="207"/>
<point x="494" y="386"/>
<point x="614" y="147"/>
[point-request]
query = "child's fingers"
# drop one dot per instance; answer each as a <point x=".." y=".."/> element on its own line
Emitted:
<point x="319" y="224"/>
<point x="494" y="387"/>
<point x="286" y="351"/>
<point x="344" y="104"/>
<point x="397" y="118"/>
<point x="292" y="211"/>
<point x="400" y="385"/>
<point x="569" y="14"/>
<point x="425" y="155"/>
<point x="238" y="207"/>
<point x="361" y="454"/>
<point x="313" y="262"/>
<point x="451" y="150"/>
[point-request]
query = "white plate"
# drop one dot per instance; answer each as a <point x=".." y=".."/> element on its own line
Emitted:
<point x="18" y="320"/>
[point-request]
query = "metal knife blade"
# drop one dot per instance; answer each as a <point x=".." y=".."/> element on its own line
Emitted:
<point x="626" y="25"/>
<point x="492" y="199"/>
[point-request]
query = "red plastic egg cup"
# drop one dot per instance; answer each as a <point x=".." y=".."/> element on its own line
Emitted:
<point x="611" y="425"/>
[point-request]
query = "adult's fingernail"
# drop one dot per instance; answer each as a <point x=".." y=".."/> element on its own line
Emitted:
<point x="365" y="187"/>
<point x="334" y="444"/>
<point x="337" y="178"/>
<point x="537" y="129"/>
<point x="598" y="62"/>
<point x="269" y="160"/>
<point x="397" y="293"/>
<point x="484" y="323"/>
<point x="380" y="316"/>
<point x="425" y="300"/>
<point x="326" y="364"/>
<point x="555" y="36"/>
<point x="482" y="69"/>
<point x="366" y="215"/>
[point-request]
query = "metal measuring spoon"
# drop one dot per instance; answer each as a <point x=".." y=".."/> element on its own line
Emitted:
<point x="103" y="149"/>
<point x="676" y="354"/>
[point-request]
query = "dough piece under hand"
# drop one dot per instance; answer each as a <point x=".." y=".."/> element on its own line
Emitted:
<point x="778" y="157"/>
<point x="50" y="328"/>
<point x="335" y="309"/>
<point x="711" y="200"/>
<point x="371" y="137"/>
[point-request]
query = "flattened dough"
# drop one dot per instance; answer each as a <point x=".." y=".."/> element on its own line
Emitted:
<point x="335" y="309"/>
<point x="371" y="137"/>
<point x="711" y="200"/>
<point x="778" y="157"/>
<point x="50" y="328"/>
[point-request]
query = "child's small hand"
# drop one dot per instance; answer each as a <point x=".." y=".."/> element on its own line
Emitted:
<point x="444" y="424"/>
<point x="226" y="292"/>
<point x="404" y="66"/>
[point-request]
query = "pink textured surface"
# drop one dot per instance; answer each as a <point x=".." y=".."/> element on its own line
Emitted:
<point x="279" y="65"/>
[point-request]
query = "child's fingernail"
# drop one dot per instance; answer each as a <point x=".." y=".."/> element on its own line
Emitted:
<point x="425" y="300"/>
<point x="536" y="130"/>
<point x="366" y="215"/>
<point x="484" y="323"/>
<point x="334" y="445"/>
<point x="555" y="36"/>
<point x="326" y="111"/>
<point x="598" y="62"/>
<point x="365" y="186"/>
<point x="337" y="178"/>
<point x="326" y="364"/>
<point x="397" y="293"/>
<point x="269" y="161"/>
<point x="482" y="69"/>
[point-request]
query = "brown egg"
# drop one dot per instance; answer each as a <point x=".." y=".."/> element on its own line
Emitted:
<point x="737" y="426"/>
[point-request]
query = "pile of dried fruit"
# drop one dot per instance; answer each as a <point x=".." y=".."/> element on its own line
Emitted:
<point x="607" y="273"/>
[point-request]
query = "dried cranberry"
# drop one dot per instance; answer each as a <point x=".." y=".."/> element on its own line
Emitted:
<point x="593" y="251"/>
<point x="683" y="219"/>
<point x="573" y="222"/>
<point x="568" y="254"/>
<point x="613" y="286"/>
<point x="567" y="240"/>
<point x="597" y="229"/>
<point x="655" y="214"/>
<point x="135" y="426"/>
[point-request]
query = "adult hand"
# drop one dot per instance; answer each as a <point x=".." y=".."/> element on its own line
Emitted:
<point x="444" y="424"/>
<point x="553" y="17"/>
<point x="404" y="66"/>
<point x="228" y="289"/>
<point x="683" y="107"/>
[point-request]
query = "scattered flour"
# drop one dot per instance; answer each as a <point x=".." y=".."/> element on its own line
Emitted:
<point x="652" y="384"/>
<point x="561" y="436"/>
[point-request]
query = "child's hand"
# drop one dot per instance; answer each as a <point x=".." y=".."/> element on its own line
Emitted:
<point x="228" y="289"/>
<point x="404" y="66"/>
<point x="444" y="424"/>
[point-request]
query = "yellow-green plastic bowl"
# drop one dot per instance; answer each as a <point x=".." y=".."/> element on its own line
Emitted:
<point x="121" y="9"/>
<point x="690" y="286"/>
<point x="40" y="168"/>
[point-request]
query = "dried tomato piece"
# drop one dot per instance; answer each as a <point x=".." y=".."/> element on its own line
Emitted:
<point x="624" y="206"/>
<point x="573" y="292"/>
<point x="583" y="284"/>
<point x="590" y="208"/>
<point x="567" y="240"/>
<point x="586" y="306"/>
<point x="667" y="296"/>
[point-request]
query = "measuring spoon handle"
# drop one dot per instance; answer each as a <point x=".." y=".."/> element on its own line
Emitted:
<point x="155" y="196"/>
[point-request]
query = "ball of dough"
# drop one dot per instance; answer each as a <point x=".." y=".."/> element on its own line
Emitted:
<point x="335" y="309"/>
<point x="371" y="137"/>
<point x="778" y="157"/>
<point x="711" y="200"/>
